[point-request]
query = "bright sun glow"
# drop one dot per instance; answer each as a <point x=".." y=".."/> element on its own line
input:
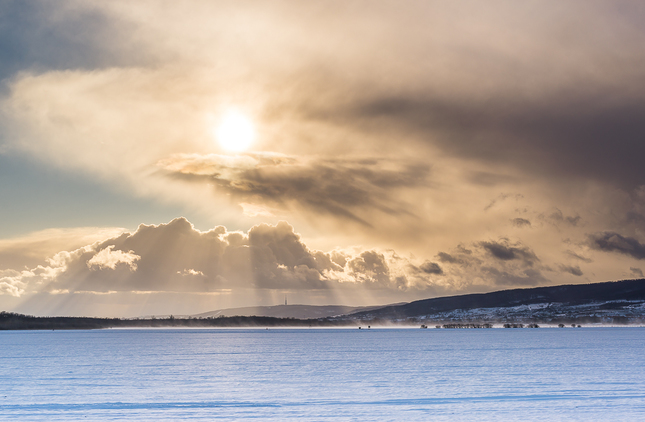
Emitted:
<point x="235" y="132"/>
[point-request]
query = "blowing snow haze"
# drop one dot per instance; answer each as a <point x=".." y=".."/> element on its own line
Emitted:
<point x="378" y="154"/>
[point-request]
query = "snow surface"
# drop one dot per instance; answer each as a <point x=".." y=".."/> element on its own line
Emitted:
<point x="585" y="374"/>
<point x="603" y="312"/>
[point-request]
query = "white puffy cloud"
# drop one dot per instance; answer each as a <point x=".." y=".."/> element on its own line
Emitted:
<point x="11" y="282"/>
<point x="175" y="257"/>
<point x="109" y="258"/>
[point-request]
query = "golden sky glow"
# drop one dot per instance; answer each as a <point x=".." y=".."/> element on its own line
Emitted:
<point x="346" y="154"/>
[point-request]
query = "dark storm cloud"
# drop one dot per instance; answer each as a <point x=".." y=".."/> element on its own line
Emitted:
<point x="636" y="271"/>
<point x="614" y="242"/>
<point x="595" y="134"/>
<point x="43" y="35"/>
<point x="339" y="187"/>
<point x="504" y="251"/>
<point x="550" y="91"/>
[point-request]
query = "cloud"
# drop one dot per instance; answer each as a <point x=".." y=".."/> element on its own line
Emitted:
<point x="558" y="217"/>
<point x="446" y="257"/>
<point x="175" y="257"/>
<point x="343" y="188"/>
<point x="541" y="137"/>
<point x="503" y="250"/>
<point x="190" y="272"/>
<point x="502" y="197"/>
<point x="431" y="268"/>
<point x="370" y="267"/>
<point x="254" y="210"/>
<point x="635" y="217"/>
<point x="571" y="269"/>
<point x="521" y="222"/>
<point x="33" y="248"/>
<point x="493" y="263"/>
<point x="108" y="258"/>
<point x="19" y="282"/>
<point x="614" y="242"/>
<point x="579" y="257"/>
<point x="636" y="271"/>
<point x="11" y="282"/>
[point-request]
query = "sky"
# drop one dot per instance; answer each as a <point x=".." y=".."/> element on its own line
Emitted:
<point x="180" y="157"/>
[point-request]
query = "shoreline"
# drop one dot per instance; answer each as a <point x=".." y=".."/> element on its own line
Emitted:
<point x="19" y="322"/>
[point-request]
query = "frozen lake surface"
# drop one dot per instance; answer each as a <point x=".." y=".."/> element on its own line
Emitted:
<point x="584" y="374"/>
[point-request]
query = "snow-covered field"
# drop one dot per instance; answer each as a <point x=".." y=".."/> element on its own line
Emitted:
<point x="600" y="312"/>
<point x="585" y="374"/>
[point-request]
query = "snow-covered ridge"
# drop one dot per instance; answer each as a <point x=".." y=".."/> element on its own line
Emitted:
<point x="598" y="312"/>
<point x="618" y="302"/>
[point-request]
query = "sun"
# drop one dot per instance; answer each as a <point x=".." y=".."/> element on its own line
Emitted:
<point x="235" y="131"/>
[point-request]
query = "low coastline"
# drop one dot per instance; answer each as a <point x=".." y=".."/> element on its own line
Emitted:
<point x="15" y="321"/>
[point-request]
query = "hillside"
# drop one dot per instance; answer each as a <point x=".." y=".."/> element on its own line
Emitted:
<point x="614" y="299"/>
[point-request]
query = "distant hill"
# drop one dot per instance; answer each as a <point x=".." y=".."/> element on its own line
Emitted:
<point x="289" y="311"/>
<point x="560" y="300"/>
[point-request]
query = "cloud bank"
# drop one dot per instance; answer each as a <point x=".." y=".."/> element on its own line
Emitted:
<point x="177" y="258"/>
<point x="269" y="260"/>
